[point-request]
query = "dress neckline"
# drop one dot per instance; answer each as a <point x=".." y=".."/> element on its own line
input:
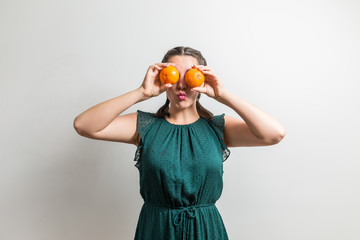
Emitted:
<point x="182" y="125"/>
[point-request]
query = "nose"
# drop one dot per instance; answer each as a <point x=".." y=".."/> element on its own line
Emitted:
<point x="181" y="84"/>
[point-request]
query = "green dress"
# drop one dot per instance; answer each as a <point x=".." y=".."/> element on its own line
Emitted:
<point x="181" y="170"/>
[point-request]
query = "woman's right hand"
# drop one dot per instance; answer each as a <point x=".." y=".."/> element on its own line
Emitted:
<point x="152" y="86"/>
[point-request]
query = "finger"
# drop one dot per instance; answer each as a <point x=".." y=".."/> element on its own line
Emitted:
<point x="196" y="66"/>
<point x="163" y="65"/>
<point x="164" y="87"/>
<point x="208" y="72"/>
<point x="154" y="67"/>
<point x="201" y="89"/>
<point x="160" y="64"/>
<point x="157" y="67"/>
<point x="205" y="68"/>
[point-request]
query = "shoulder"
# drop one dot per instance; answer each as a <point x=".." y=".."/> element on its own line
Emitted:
<point x="218" y="124"/>
<point x="144" y="121"/>
<point x="142" y="113"/>
<point x="219" y="121"/>
<point x="141" y="116"/>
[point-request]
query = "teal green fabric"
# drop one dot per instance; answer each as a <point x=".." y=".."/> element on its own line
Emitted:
<point x="181" y="178"/>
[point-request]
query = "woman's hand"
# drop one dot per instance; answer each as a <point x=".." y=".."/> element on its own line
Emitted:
<point x="152" y="86"/>
<point x="213" y="86"/>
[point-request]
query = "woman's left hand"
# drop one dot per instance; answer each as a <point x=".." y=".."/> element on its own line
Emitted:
<point x="213" y="86"/>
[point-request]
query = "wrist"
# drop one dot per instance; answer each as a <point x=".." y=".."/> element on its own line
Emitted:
<point x="221" y="95"/>
<point x="142" y="95"/>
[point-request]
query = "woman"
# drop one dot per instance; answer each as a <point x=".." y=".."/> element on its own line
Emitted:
<point x="181" y="148"/>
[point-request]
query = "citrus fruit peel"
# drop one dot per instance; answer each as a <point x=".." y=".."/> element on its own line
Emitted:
<point x="194" y="78"/>
<point x="169" y="75"/>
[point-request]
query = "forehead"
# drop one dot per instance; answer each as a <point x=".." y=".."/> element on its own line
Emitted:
<point x="183" y="61"/>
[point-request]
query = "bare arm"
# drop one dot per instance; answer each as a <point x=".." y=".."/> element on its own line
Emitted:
<point x="104" y="120"/>
<point x="253" y="128"/>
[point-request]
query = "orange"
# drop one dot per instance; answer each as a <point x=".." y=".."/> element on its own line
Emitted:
<point x="169" y="75"/>
<point x="194" y="78"/>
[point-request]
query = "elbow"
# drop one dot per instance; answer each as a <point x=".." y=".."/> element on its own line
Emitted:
<point x="76" y="125"/>
<point x="78" y="128"/>
<point x="276" y="137"/>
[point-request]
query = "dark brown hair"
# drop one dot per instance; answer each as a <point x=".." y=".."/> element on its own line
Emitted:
<point x="187" y="51"/>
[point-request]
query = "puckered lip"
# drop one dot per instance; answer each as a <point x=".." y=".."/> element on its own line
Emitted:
<point x="182" y="94"/>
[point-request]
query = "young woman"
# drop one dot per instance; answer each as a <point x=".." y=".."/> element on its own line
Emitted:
<point x="181" y="148"/>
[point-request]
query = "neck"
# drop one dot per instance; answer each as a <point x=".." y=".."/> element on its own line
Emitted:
<point x="183" y="116"/>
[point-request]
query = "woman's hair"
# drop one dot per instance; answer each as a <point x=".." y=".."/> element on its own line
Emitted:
<point x="185" y="51"/>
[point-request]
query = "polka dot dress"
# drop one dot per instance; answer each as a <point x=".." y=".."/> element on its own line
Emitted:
<point x="181" y="178"/>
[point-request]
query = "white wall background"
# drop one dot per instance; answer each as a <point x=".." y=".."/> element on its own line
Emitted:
<point x="297" y="60"/>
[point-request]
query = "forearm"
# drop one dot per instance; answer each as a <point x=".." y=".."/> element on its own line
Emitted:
<point x="101" y="115"/>
<point x="260" y="123"/>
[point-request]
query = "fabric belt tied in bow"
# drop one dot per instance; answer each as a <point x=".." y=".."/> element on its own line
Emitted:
<point x="189" y="211"/>
<point x="185" y="212"/>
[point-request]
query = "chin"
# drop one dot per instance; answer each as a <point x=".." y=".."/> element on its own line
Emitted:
<point x="184" y="104"/>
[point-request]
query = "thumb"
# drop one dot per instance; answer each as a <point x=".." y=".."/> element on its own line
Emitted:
<point x="165" y="87"/>
<point x="201" y="89"/>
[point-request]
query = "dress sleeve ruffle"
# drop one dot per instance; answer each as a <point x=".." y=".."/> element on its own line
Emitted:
<point x="219" y="126"/>
<point x="143" y="123"/>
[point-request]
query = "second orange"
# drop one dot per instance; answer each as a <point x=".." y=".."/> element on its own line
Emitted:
<point x="194" y="78"/>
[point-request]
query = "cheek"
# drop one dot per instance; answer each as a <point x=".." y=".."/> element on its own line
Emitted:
<point x="193" y="94"/>
<point x="170" y="92"/>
